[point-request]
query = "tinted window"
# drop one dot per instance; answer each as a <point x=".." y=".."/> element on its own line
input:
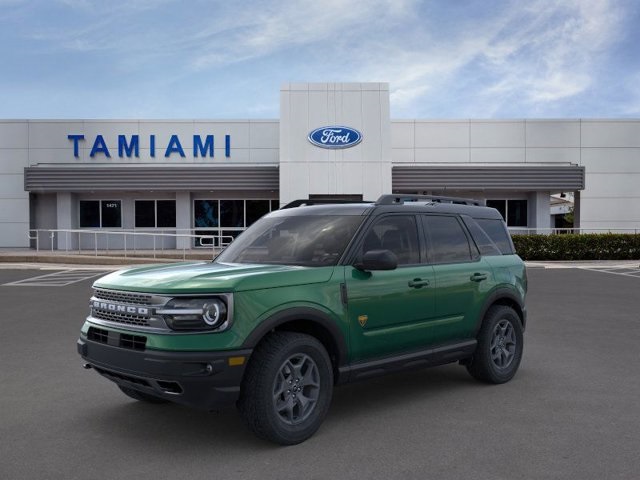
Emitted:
<point x="145" y="213"/>
<point x="517" y="213"/>
<point x="232" y="213"/>
<point x="205" y="213"/>
<point x="398" y="234"/>
<point x="166" y="213"/>
<point x="256" y="209"/>
<point x="90" y="213"/>
<point x="482" y="240"/>
<point x="111" y="213"/>
<point x="447" y="240"/>
<point x="498" y="233"/>
<point x="314" y="240"/>
<point x="500" y="205"/>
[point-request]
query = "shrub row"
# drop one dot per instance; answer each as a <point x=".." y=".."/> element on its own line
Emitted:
<point x="586" y="246"/>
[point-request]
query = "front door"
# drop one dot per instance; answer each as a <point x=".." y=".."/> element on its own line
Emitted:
<point x="391" y="310"/>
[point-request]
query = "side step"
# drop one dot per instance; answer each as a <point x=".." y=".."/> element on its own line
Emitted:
<point x="438" y="355"/>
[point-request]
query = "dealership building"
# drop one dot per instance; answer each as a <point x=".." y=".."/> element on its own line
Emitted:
<point x="333" y="140"/>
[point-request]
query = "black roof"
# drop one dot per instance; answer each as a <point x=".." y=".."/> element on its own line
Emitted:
<point x="472" y="209"/>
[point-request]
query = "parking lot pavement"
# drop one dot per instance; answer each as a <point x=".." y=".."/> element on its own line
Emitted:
<point x="571" y="412"/>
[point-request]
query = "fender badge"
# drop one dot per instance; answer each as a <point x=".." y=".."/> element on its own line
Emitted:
<point x="362" y="320"/>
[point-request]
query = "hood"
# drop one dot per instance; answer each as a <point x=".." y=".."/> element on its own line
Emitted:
<point x="210" y="277"/>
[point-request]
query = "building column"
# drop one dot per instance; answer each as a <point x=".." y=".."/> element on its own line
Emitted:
<point x="539" y="211"/>
<point x="67" y="219"/>
<point x="183" y="220"/>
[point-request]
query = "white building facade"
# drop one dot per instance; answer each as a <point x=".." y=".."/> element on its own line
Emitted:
<point x="186" y="176"/>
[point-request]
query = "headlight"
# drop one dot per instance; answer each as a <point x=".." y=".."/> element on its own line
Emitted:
<point x="195" y="314"/>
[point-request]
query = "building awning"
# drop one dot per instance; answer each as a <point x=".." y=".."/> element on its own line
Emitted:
<point x="183" y="178"/>
<point x="529" y="178"/>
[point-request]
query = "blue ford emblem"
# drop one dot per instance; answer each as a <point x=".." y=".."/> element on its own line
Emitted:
<point x="335" y="137"/>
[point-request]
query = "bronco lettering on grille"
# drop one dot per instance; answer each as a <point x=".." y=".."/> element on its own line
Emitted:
<point x="113" y="307"/>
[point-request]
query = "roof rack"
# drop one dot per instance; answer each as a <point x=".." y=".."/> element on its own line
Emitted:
<point x="320" y="201"/>
<point x="391" y="199"/>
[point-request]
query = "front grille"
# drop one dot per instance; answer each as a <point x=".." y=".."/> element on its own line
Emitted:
<point x="126" y="318"/>
<point x="133" y="342"/>
<point x="123" y="297"/>
<point x="98" y="335"/>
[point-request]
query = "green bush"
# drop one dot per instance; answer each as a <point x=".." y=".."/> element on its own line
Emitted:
<point x="586" y="246"/>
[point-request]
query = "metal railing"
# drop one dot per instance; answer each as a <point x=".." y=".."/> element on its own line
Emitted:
<point x="557" y="231"/>
<point x="128" y="242"/>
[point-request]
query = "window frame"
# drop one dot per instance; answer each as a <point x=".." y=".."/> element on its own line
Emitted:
<point x="100" y="200"/>
<point x="506" y="210"/>
<point x="155" y="212"/>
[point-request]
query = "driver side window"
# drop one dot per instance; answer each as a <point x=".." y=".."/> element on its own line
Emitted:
<point x="397" y="233"/>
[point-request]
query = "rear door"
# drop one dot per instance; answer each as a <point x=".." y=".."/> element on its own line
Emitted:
<point x="462" y="277"/>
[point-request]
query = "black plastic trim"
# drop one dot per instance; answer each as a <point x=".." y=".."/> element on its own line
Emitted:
<point x="204" y="379"/>
<point x="496" y="296"/>
<point x="297" y="314"/>
<point x="436" y="355"/>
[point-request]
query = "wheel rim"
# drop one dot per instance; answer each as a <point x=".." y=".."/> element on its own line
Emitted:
<point x="296" y="389"/>
<point x="503" y="344"/>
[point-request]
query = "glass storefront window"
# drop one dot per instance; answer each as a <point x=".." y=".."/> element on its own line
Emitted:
<point x="514" y="212"/>
<point x="145" y="213"/>
<point x="166" y="213"/>
<point x="205" y="213"/>
<point x="256" y="209"/>
<point x="232" y="213"/>
<point x="100" y="214"/>
<point x="155" y="213"/>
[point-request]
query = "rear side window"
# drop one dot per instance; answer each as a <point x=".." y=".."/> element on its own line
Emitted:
<point x="484" y="243"/>
<point x="447" y="241"/>
<point x="498" y="233"/>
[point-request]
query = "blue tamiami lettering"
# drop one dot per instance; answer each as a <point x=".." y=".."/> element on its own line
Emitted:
<point x="128" y="149"/>
<point x="129" y="146"/>
<point x="174" y="146"/>
<point x="99" y="146"/>
<point x="203" y="149"/>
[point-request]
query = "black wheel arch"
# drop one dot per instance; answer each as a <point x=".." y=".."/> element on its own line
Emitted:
<point x="307" y="320"/>
<point x="506" y="297"/>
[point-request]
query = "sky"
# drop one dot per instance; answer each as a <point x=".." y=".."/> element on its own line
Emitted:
<point x="209" y="59"/>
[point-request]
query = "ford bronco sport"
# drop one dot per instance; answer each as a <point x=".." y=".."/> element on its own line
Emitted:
<point x="311" y="297"/>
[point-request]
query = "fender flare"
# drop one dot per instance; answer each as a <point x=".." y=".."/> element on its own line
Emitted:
<point x="497" y="295"/>
<point x="308" y="314"/>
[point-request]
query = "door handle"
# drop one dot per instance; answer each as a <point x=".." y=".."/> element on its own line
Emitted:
<point x="478" y="277"/>
<point x="418" y="283"/>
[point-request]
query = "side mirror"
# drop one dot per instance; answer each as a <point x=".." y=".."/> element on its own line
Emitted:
<point x="377" y="260"/>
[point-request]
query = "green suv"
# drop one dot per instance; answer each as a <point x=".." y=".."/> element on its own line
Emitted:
<point x="311" y="297"/>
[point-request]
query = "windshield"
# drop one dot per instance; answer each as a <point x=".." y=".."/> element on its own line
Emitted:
<point x="314" y="240"/>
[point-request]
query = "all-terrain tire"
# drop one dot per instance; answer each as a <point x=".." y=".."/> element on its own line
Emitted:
<point x="500" y="345"/>
<point x="141" y="396"/>
<point x="287" y="388"/>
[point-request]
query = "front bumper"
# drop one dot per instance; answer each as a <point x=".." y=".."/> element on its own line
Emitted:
<point x="203" y="380"/>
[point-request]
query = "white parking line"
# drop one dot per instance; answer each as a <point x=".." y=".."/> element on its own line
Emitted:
<point x="623" y="270"/>
<point x="57" y="279"/>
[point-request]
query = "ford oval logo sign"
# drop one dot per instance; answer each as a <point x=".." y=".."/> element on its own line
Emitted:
<point x="335" y="137"/>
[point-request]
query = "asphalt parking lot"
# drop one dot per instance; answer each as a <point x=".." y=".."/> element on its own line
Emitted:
<point x="571" y="412"/>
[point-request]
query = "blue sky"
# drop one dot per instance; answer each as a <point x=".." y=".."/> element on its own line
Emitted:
<point x="227" y="59"/>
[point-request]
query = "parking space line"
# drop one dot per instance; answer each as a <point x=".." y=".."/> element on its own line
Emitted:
<point x="624" y="271"/>
<point x="57" y="279"/>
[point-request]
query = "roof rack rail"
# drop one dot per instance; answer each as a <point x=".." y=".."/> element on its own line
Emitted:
<point x="320" y="201"/>
<point x="391" y="199"/>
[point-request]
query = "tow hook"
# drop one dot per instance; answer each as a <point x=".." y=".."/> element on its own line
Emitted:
<point x="86" y="366"/>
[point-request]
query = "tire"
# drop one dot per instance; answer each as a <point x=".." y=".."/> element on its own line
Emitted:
<point x="141" y="396"/>
<point x="500" y="345"/>
<point x="285" y="368"/>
